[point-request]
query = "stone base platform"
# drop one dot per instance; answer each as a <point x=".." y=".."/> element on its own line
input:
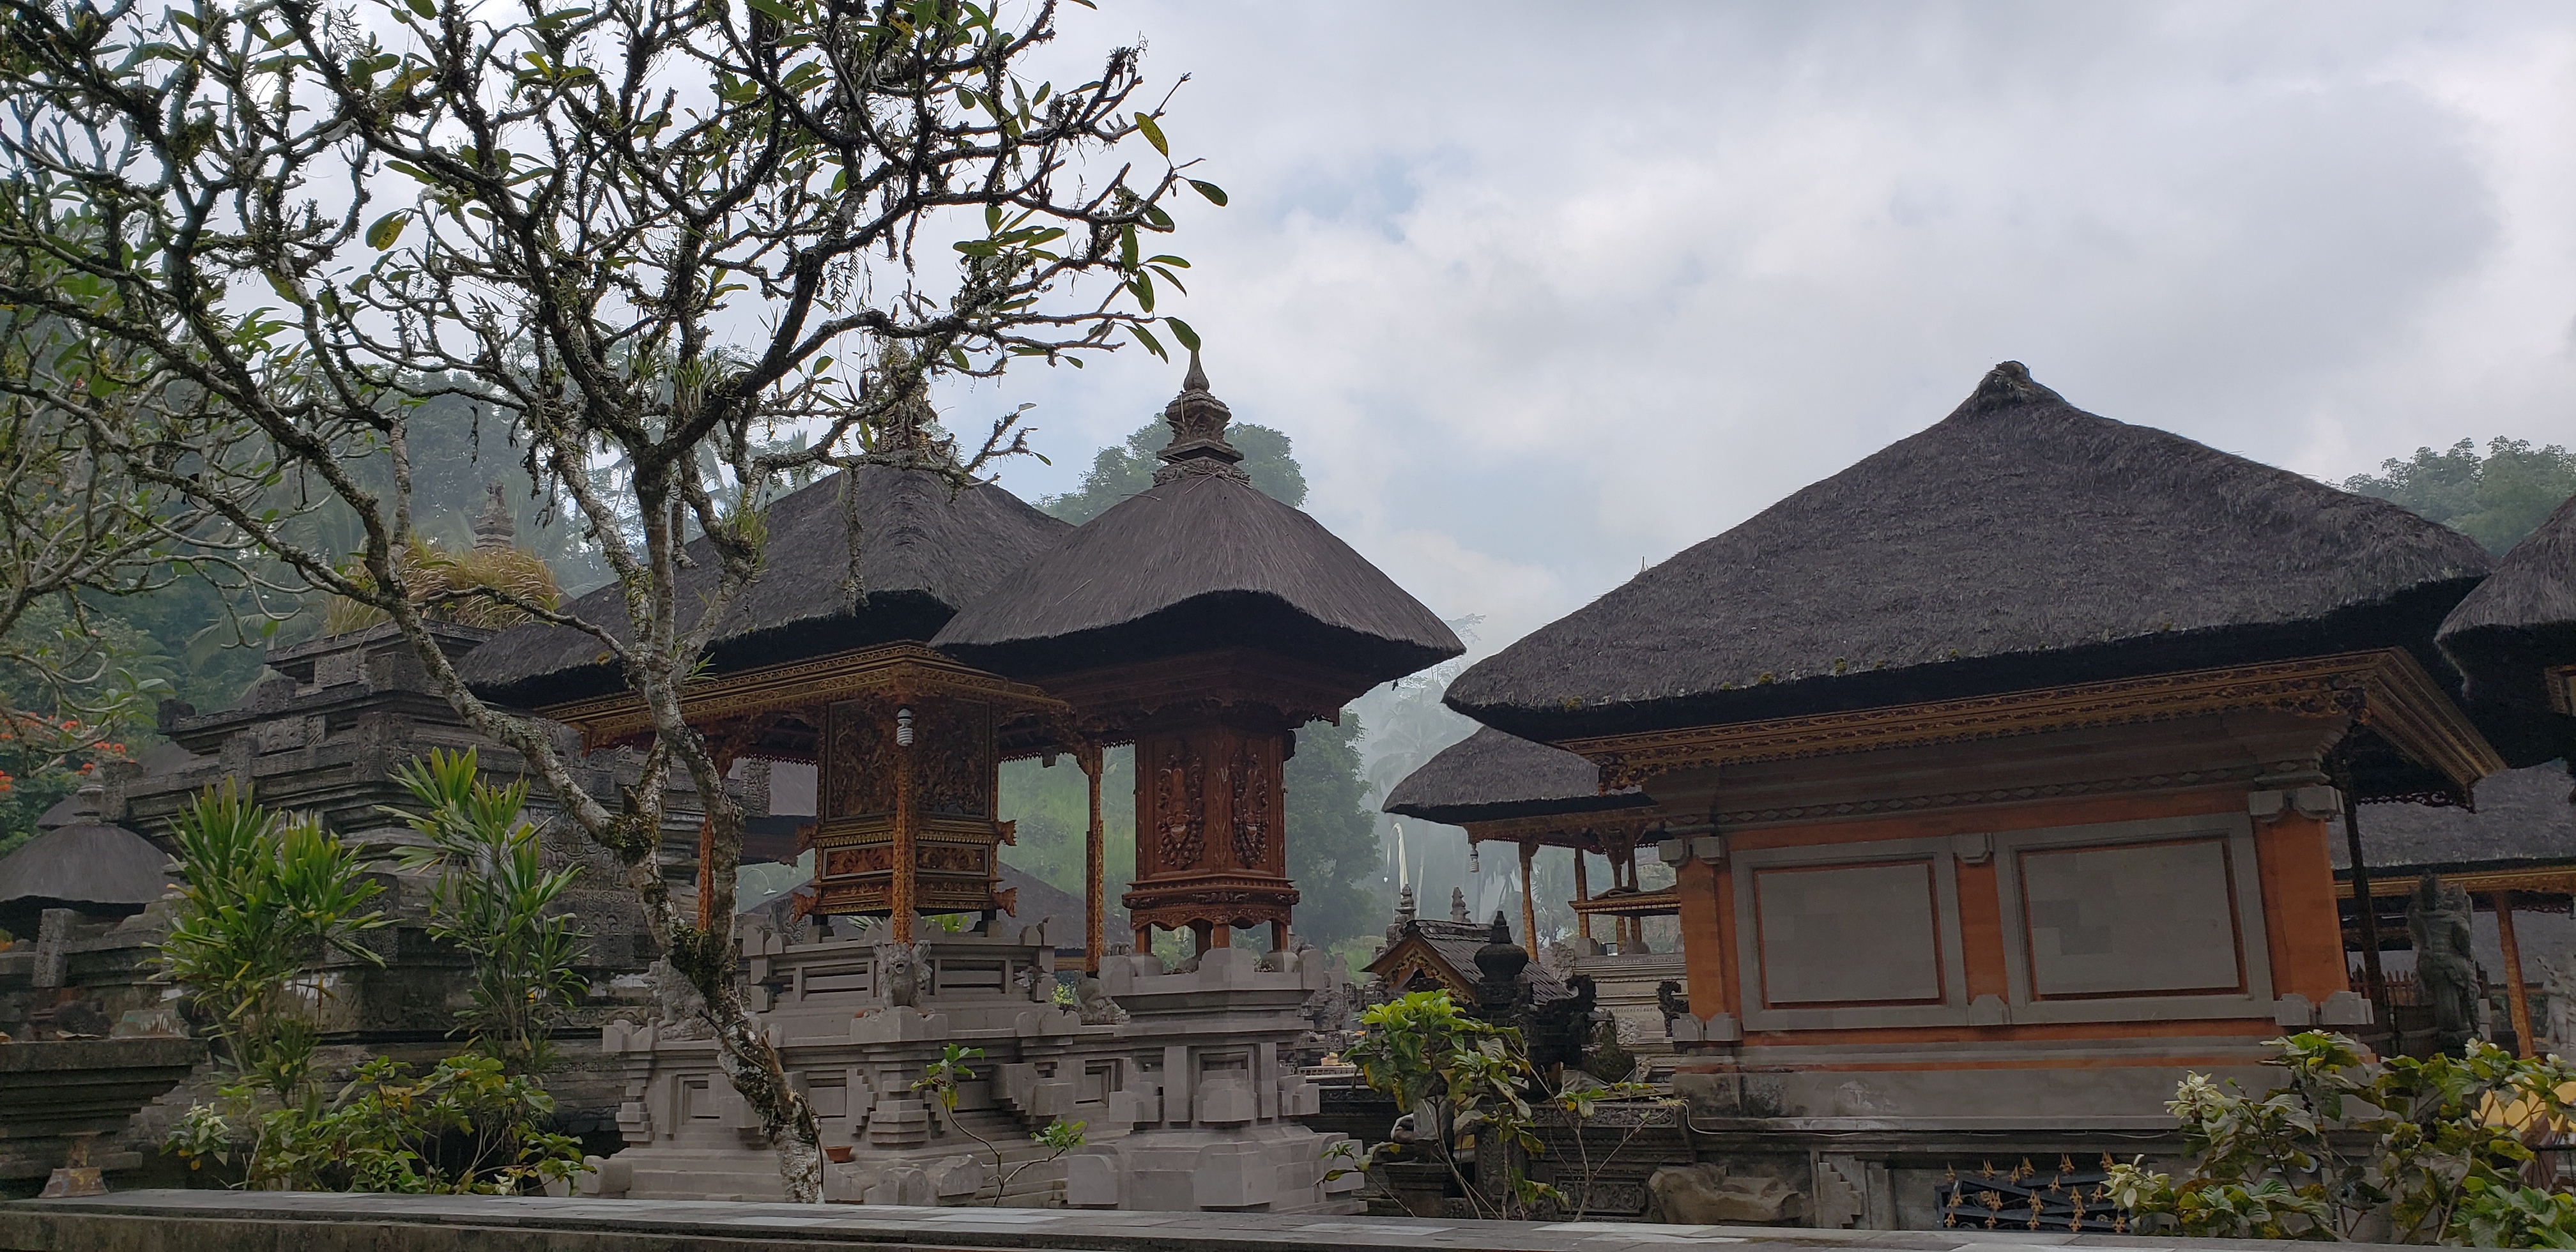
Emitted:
<point x="221" y="1221"/>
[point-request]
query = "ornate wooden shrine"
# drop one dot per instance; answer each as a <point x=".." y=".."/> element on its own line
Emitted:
<point x="1203" y="622"/>
<point x="908" y="747"/>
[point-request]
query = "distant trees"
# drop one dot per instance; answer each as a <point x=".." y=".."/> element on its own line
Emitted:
<point x="2495" y="499"/>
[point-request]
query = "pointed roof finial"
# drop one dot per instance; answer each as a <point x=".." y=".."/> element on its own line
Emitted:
<point x="1198" y="420"/>
<point x="494" y="527"/>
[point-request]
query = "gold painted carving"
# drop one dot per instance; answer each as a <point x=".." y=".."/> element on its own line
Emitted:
<point x="2386" y="690"/>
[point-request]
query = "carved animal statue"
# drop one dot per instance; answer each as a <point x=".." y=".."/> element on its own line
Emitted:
<point x="2446" y="967"/>
<point x="898" y="975"/>
<point x="1095" y="1005"/>
<point x="680" y="1010"/>
<point x="1703" y="1195"/>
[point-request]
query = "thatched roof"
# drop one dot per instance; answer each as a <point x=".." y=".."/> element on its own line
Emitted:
<point x="1490" y="775"/>
<point x="2523" y="819"/>
<point x="2020" y="543"/>
<point x="923" y="552"/>
<point x="87" y="865"/>
<point x="2519" y="623"/>
<point x="1200" y="561"/>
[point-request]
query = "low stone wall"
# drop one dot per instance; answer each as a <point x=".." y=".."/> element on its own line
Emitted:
<point x="202" y="1221"/>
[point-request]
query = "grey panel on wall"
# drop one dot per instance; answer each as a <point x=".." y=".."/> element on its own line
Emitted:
<point x="2127" y="920"/>
<point x="1848" y="934"/>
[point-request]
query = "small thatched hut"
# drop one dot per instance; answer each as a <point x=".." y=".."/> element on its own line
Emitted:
<point x="2515" y="636"/>
<point x="88" y="865"/>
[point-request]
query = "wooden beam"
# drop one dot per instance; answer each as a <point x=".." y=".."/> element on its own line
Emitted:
<point x="2517" y="999"/>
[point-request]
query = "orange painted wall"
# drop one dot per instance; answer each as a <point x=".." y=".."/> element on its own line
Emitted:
<point x="2303" y="936"/>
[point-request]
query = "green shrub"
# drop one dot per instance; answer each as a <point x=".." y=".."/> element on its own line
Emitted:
<point x="2404" y="1150"/>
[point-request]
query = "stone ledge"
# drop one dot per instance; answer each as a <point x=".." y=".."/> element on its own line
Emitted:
<point x="223" y="1221"/>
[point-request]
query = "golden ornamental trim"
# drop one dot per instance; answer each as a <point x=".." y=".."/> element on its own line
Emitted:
<point x="2386" y="690"/>
<point x="2561" y="681"/>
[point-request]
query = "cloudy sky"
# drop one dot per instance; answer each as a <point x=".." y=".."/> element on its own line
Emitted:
<point x="1541" y="295"/>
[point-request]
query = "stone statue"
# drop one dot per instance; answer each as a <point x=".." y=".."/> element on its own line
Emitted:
<point x="2558" y="980"/>
<point x="2446" y="967"/>
<point x="1458" y="904"/>
<point x="1094" y="1003"/>
<point x="680" y="1010"/>
<point x="898" y="975"/>
<point x="1669" y="998"/>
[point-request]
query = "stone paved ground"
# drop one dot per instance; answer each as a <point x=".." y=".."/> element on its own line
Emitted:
<point x="218" y="1221"/>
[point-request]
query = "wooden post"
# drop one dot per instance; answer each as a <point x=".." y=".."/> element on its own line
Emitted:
<point x="1278" y="935"/>
<point x="1582" y="892"/>
<point x="899" y="889"/>
<point x="2517" y="999"/>
<point x="1529" y="909"/>
<point x="2374" y="984"/>
<point x="1095" y="905"/>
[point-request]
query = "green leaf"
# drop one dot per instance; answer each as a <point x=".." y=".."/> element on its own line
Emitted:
<point x="1153" y="133"/>
<point x="1152" y="344"/>
<point x="427" y="10"/>
<point x="774" y="9"/>
<point x="1181" y="330"/>
<point x="1215" y="194"/>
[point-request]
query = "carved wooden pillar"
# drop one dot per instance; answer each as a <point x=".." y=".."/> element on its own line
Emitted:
<point x="901" y="891"/>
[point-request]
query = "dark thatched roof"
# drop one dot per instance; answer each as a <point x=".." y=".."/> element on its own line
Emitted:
<point x="2020" y="543"/>
<point x="2518" y="624"/>
<point x="2524" y="818"/>
<point x="87" y="865"/>
<point x="923" y="552"/>
<point x="1200" y="561"/>
<point x="1490" y="775"/>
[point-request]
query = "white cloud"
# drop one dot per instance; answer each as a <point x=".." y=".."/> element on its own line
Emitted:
<point x="1540" y="290"/>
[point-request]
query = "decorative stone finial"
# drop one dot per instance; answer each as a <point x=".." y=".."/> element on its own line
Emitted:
<point x="494" y="527"/>
<point x="1198" y="420"/>
<point x="1458" y="904"/>
<point x="1404" y="903"/>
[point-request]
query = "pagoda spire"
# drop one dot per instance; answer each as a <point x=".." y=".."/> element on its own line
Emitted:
<point x="1198" y="421"/>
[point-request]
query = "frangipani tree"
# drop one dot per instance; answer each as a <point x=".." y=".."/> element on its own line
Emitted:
<point x="654" y="233"/>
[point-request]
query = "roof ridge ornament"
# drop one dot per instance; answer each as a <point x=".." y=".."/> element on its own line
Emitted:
<point x="1198" y="420"/>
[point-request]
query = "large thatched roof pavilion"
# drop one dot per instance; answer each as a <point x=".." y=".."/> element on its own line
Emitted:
<point x="2007" y="755"/>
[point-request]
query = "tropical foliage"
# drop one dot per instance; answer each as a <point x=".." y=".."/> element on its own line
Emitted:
<point x="2401" y="1150"/>
<point x="267" y="901"/>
